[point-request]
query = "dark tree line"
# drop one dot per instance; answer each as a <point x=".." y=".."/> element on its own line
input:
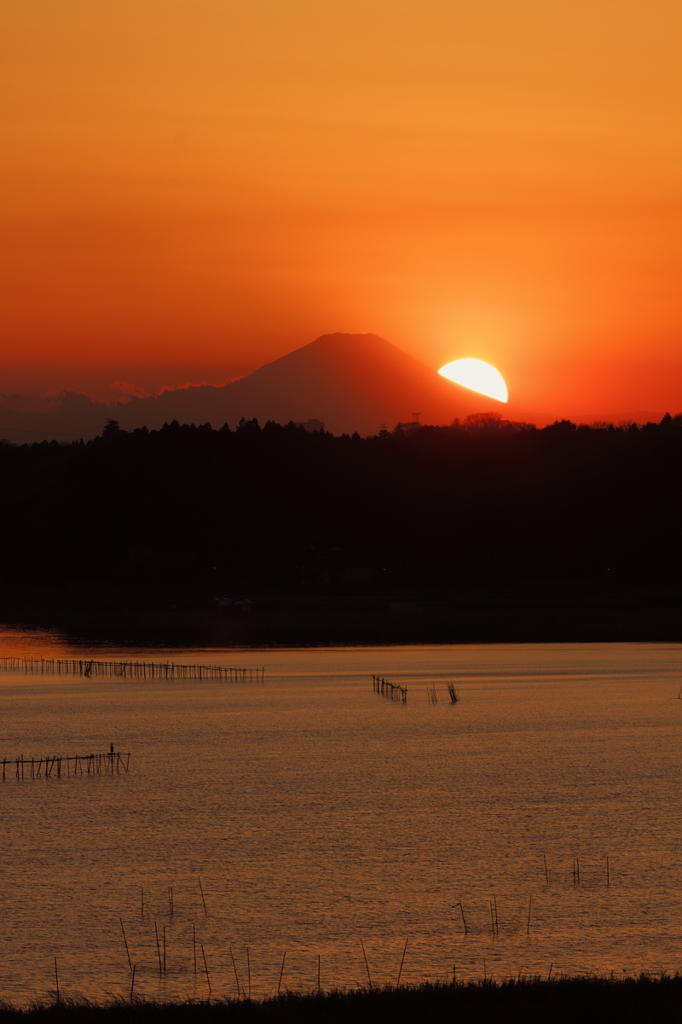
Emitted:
<point x="484" y="503"/>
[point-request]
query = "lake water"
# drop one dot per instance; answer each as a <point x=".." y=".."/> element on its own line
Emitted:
<point x="320" y="816"/>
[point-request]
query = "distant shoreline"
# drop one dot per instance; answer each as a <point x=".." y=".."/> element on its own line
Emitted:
<point x="100" y="614"/>
<point x="588" y="999"/>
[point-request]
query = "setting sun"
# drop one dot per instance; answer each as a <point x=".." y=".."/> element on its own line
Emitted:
<point x="477" y="376"/>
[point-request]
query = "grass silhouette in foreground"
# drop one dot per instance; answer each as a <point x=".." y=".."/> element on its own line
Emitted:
<point x="526" y="1001"/>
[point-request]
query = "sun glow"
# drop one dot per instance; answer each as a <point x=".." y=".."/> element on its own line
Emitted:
<point x="477" y="376"/>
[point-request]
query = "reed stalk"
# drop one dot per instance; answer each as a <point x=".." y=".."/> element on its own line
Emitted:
<point x="369" y="976"/>
<point x="208" y="977"/>
<point x="402" y="961"/>
<point x="281" y="973"/>
<point x="158" y="949"/>
<point x="203" y="898"/>
<point x="464" y="920"/>
<point x="236" y="976"/>
<point x="125" y="942"/>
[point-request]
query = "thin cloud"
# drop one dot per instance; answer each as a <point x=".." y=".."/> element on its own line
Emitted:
<point x="130" y="390"/>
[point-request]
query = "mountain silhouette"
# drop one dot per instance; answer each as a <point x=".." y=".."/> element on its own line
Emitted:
<point x="350" y="382"/>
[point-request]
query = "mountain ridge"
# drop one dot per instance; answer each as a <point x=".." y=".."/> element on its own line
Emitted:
<point x="351" y="382"/>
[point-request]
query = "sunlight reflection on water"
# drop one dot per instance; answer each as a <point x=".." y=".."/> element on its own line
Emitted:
<point x="319" y="814"/>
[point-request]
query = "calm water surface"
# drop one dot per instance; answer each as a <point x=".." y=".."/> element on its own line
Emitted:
<point x="318" y="814"/>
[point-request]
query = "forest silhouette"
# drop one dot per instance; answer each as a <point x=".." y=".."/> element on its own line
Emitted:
<point x="485" y="503"/>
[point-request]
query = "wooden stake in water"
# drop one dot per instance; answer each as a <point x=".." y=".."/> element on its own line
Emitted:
<point x="369" y="976"/>
<point x="208" y="978"/>
<point x="203" y="900"/>
<point x="56" y="981"/>
<point x="125" y="941"/>
<point x="132" y="982"/>
<point x="464" y="920"/>
<point x="544" y="857"/>
<point x="402" y="961"/>
<point x="281" y="972"/>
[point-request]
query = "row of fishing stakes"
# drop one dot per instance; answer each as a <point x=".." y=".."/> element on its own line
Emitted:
<point x="131" y="669"/>
<point x="21" y="768"/>
<point x="432" y="696"/>
<point x="576" y="870"/>
<point x="399" y="693"/>
<point x="389" y="690"/>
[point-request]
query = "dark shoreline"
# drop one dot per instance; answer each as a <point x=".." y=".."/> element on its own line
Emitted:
<point x="97" y="614"/>
<point x="642" y="1000"/>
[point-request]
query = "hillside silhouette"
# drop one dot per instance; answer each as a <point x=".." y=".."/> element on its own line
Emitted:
<point x="349" y="382"/>
<point x="484" y="503"/>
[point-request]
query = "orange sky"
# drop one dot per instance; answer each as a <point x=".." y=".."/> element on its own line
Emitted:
<point x="191" y="188"/>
